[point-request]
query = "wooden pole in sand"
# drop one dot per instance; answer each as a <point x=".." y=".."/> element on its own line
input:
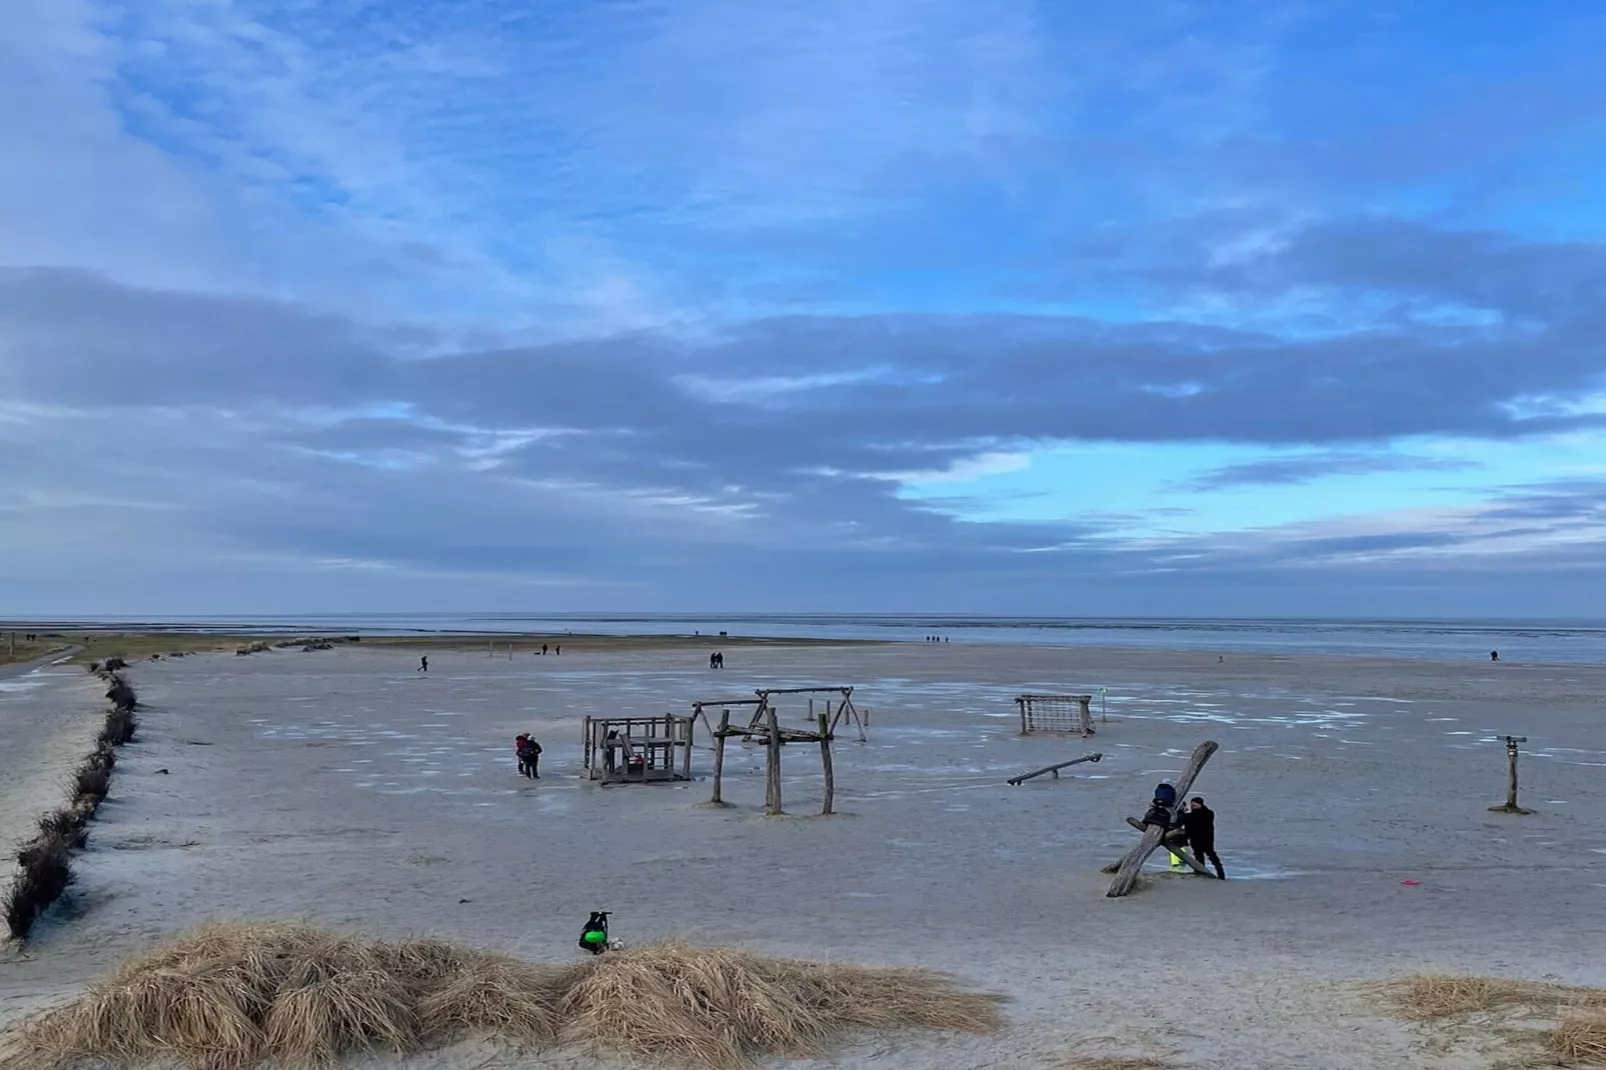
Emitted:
<point x="825" y="764"/>
<point x="772" y="767"/>
<point x="719" y="756"/>
<point x="1511" y="806"/>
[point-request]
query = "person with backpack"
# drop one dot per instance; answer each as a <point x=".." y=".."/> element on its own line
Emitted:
<point x="1160" y="814"/>
<point x="594" y="937"/>
<point x="529" y="752"/>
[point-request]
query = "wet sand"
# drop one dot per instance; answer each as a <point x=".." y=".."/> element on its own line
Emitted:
<point x="346" y="787"/>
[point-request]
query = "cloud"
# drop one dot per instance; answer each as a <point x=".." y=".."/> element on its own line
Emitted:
<point x="1274" y="471"/>
<point x="657" y="301"/>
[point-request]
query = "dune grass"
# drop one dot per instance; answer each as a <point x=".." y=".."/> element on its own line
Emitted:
<point x="1578" y="1037"/>
<point x="227" y="996"/>
<point x="44" y="876"/>
<point x="139" y="646"/>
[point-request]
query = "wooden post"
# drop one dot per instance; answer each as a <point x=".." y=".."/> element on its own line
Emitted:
<point x="585" y="744"/>
<point x="691" y="737"/>
<point x="1511" y="806"/>
<point x="825" y="765"/>
<point x="772" y="769"/>
<point x="1021" y="702"/>
<point x="1127" y="875"/>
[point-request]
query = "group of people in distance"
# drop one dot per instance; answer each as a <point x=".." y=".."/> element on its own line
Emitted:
<point x="1194" y="826"/>
<point x="716" y="660"/>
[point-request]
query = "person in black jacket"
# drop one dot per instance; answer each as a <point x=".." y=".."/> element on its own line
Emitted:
<point x="529" y="753"/>
<point x="1199" y="822"/>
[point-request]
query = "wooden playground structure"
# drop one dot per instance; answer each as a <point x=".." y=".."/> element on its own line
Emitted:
<point x="764" y="729"/>
<point x="836" y="705"/>
<point x="1055" y="713"/>
<point x="637" y="750"/>
<point x="1127" y="869"/>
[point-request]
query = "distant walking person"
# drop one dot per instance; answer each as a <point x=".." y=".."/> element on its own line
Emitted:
<point x="543" y="648"/>
<point x="423" y="663"/>
<point x="529" y="752"/>
<point x="1494" y="655"/>
<point x="1199" y="821"/>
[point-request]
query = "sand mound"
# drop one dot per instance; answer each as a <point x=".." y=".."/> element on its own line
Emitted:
<point x="232" y="995"/>
<point x="1578" y="1036"/>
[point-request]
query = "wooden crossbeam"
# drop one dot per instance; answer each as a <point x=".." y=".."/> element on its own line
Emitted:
<point x="1055" y="769"/>
<point x="1180" y="852"/>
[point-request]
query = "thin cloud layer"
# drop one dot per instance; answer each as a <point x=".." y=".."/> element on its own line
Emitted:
<point x="666" y="306"/>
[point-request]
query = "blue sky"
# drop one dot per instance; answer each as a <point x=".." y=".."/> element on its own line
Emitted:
<point x="992" y="305"/>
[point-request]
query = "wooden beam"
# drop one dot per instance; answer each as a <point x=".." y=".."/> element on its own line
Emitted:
<point x="802" y="690"/>
<point x="1127" y="875"/>
<point x="1016" y="781"/>
<point x="719" y="756"/>
<point x="772" y="767"/>
<point x="1180" y="852"/>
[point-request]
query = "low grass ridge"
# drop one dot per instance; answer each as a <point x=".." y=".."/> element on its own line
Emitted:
<point x="231" y="995"/>
<point x="45" y="861"/>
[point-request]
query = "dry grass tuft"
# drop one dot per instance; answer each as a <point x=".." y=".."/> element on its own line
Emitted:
<point x="716" y="1007"/>
<point x="1427" y="997"/>
<point x="1577" y="1039"/>
<point x="228" y="996"/>
<point x="1580" y="1039"/>
<point x="120" y="693"/>
<point x="45" y="874"/>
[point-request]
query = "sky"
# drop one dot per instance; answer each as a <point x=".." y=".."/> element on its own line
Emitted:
<point x="1069" y="307"/>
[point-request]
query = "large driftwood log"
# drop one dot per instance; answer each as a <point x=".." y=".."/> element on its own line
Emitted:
<point x="1127" y="876"/>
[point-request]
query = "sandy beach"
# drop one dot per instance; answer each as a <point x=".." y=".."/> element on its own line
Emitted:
<point x="345" y="787"/>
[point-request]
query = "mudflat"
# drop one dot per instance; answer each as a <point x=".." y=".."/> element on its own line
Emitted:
<point x="346" y="787"/>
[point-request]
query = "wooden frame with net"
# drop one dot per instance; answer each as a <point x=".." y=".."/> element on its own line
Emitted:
<point x="1055" y="713"/>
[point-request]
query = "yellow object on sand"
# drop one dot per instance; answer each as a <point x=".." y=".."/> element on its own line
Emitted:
<point x="1176" y="863"/>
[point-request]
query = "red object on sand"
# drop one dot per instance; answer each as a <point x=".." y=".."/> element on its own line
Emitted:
<point x="1410" y="883"/>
